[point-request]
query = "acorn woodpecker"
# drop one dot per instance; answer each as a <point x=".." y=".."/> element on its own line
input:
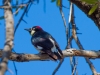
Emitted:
<point x="45" y="43"/>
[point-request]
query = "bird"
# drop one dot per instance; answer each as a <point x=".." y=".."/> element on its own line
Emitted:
<point x="45" y="43"/>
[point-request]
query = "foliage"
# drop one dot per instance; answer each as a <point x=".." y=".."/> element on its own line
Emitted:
<point x="58" y="2"/>
<point x="95" y="4"/>
<point x="90" y="1"/>
<point x="93" y="9"/>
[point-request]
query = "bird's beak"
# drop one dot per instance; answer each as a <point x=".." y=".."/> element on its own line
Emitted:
<point x="28" y="30"/>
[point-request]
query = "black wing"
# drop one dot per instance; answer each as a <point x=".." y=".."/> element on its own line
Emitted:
<point x="46" y="42"/>
<point x="57" y="46"/>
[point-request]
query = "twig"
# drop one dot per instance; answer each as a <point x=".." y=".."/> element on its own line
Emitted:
<point x="70" y="13"/>
<point x="87" y="60"/>
<point x="15" y="67"/>
<point x="22" y="16"/>
<point x="75" y="66"/>
<point x="17" y="11"/>
<point x="76" y="61"/>
<point x="25" y="11"/>
<point x="80" y="46"/>
<point x="69" y="42"/>
<point x="64" y="20"/>
<point x="66" y="31"/>
<point x="21" y="19"/>
<point x="72" y="59"/>
<point x="72" y="65"/>
<point x="9" y="70"/>
<point x="56" y="69"/>
<point x="74" y="69"/>
<point x="19" y="6"/>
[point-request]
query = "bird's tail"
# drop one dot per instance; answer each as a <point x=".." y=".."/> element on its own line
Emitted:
<point x="59" y="56"/>
<point x="52" y="56"/>
<point x="59" y="53"/>
<point x="55" y="55"/>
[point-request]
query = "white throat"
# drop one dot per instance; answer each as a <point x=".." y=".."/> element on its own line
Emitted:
<point x="32" y="32"/>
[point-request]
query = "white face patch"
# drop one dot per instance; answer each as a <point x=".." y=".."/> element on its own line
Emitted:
<point x="32" y="32"/>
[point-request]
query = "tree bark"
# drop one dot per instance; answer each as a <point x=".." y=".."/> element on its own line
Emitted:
<point x="21" y="57"/>
<point x="86" y="8"/>
<point x="9" y="27"/>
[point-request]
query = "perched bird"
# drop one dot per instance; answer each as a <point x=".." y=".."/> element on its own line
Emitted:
<point x="45" y="43"/>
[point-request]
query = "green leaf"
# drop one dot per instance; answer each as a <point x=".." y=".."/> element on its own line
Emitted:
<point x="2" y="17"/>
<point x="53" y="0"/>
<point x="58" y="2"/>
<point x="93" y="9"/>
<point x="90" y="1"/>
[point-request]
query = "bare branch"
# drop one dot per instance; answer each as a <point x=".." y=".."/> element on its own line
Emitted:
<point x="79" y="44"/>
<point x="69" y="42"/>
<point x="21" y="57"/>
<point x="74" y="69"/>
<point x="9" y="37"/>
<point x="63" y="18"/>
<point x="17" y="11"/>
<point x="81" y="47"/>
<point x="72" y="59"/>
<point x="21" y="18"/>
<point x="15" y="67"/>
<point x="19" y="6"/>
<point x="66" y="31"/>
<point x="56" y="69"/>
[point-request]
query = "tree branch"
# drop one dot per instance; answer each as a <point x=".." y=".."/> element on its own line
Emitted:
<point x="21" y="18"/>
<point x="71" y="20"/>
<point x="81" y="47"/>
<point x="86" y="8"/>
<point x="9" y="37"/>
<point x="66" y="31"/>
<point x="21" y="57"/>
<point x="14" y="6"/>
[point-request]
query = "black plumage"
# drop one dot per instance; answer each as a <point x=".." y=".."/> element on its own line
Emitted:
<point x="45" y="43"/>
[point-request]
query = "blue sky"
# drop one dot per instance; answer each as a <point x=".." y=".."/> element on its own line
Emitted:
<point x="51" y="21"/>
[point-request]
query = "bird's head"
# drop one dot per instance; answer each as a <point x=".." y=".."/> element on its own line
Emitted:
<point x="34" y="29"/>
